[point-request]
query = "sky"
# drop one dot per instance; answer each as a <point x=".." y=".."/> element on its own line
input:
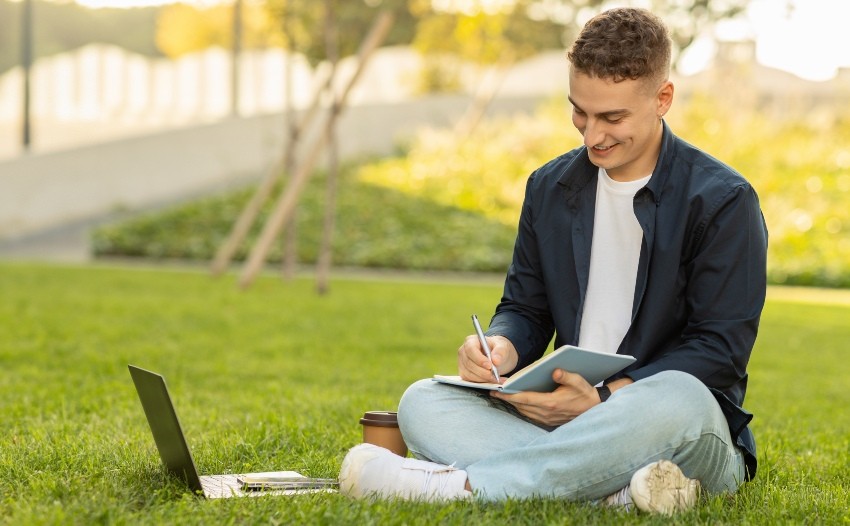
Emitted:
<point x="811" y="40"/>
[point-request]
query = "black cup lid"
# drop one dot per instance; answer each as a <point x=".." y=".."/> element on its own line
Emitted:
<point x="380" y="418"/>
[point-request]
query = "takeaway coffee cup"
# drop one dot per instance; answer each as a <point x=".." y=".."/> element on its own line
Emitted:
<point x="381" y="428"/>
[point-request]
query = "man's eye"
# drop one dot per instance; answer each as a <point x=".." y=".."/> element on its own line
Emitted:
<point x="614" y="121"/>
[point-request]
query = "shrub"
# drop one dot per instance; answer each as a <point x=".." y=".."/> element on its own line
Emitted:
<point x="453" y="203"/>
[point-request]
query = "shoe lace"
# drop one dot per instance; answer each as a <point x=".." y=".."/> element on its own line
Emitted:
<point x="621" y="499"/>
<point x="443" y="481"/>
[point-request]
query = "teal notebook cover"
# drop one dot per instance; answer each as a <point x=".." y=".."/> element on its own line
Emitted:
<point x="593" y="366"/>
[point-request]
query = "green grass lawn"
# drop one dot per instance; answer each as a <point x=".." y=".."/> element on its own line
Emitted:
<point x="276" y="377"/>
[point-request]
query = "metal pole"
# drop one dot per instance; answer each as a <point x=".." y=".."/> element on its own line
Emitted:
<point x="26" y="65"/>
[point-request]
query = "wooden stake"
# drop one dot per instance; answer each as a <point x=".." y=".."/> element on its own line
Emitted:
<point x="264" y="190"/>
<point x="289" y="198"/>
<point x="484" y="96"/>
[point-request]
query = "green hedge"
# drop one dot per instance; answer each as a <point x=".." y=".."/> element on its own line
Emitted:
<point x="451" y="203"/>
<point x="375" y="227"/>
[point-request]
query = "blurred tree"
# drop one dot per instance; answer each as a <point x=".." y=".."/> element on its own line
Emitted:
<point x="183" y="28"/>
<point x="66" y="26"/>
<point x="355" y="17"/>
<point x="479" y="32"/>
<point x="483" y="35"/>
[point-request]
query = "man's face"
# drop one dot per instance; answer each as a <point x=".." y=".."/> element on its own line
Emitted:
<point x="620" y="122"/>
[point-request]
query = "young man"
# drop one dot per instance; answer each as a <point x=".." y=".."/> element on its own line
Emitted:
<point x="635" y="243"/>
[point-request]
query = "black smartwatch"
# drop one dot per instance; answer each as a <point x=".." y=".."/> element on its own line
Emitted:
<point x="604" y="392"/>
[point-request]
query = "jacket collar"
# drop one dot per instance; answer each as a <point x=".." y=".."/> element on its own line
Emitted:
<point x="577" y="173"/>
<point x="665" y="161"/>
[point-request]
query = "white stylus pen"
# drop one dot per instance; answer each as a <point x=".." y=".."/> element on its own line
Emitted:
<point x="486" y="347"/>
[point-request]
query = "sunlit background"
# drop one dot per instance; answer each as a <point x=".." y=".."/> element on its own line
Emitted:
<point x="803" y="37"/>
<point x="806" y="37"/>
<point x="131" y="105"/>
<point x="130" y="91"/>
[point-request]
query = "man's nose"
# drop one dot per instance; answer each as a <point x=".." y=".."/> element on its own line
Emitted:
<point x="594" y="133"/>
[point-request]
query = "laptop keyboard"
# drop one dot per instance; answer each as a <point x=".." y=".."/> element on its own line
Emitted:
<point x="224" y="486"/>
<point x="221" y="486"/>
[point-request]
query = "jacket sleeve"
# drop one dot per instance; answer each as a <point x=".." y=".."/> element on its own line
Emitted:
<point x="725" y="292"/>
<point x="523" y="315"/>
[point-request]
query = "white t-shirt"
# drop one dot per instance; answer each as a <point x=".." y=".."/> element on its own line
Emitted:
<point x="614" y="257"/>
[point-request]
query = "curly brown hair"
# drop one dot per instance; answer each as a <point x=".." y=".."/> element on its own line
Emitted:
<point x="624" y="43"/>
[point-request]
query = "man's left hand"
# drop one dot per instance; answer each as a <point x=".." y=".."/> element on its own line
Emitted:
<point x="572" y="397"/>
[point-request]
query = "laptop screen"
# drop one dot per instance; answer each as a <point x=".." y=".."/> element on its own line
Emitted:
<point x="167" y="433"/>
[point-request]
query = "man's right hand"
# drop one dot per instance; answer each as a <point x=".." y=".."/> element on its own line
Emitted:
<point x="473" y="365"/>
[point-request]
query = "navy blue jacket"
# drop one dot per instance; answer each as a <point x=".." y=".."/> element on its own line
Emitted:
<point x="701" y="277"/>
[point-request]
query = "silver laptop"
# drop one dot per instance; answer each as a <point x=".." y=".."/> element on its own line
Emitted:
<point x="177" y="457"/>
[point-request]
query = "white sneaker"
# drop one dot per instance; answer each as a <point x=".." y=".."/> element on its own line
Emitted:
<point x="371" y="471"/>
<point x="661" y="487"/>
<point x="619" y="499"/>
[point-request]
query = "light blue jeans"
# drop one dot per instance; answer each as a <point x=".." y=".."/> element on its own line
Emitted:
<point x="670" y="415"/>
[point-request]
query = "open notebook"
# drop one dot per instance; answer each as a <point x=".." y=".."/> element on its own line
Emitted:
<point x="593" y="366"/>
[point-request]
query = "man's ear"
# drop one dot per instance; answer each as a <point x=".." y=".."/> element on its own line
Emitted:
<point x="664" y="96"/>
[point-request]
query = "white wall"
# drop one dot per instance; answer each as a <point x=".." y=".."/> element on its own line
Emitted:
<point x="117" y="131"/>
<point x="41" y="191"/>
<point x="99" y="92"/>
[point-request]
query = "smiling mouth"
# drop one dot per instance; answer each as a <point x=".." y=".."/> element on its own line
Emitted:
<point x="603" y="148"/>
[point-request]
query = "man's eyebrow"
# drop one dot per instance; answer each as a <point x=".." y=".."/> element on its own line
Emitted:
<point x="604" y="114"/>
